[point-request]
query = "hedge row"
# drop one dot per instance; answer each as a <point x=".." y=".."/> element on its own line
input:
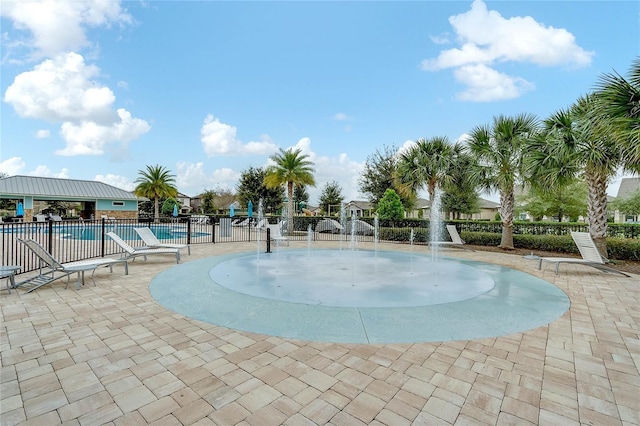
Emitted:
<point x="618" y="248"/>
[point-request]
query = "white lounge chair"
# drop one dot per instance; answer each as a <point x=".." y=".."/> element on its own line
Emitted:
<point x="262" y="224"/>
<point x="40" y="218"/>
<point x="49" y="267"/>
<point x="245" y="222"/>
<point x="329" y="225"/>
<point x="150" y="239"/>
<point x="589" y="252"/>
<point x="456" y="241"/>
<point x="276" y="235"/>
<point x="133" y="252"/>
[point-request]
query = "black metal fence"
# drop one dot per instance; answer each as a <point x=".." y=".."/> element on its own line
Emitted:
<point x="73" y="240"/>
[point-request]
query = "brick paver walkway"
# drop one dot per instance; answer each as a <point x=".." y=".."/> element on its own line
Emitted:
<point x="110" y="355"/>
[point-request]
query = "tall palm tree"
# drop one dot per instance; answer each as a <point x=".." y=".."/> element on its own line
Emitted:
<point x="573" y="143"/>
<point x="429" y="163"/>
<point x="498" y="150"/>
<point x="154" y="183"/>
<point x="291" y="168"/>
<point x="619" y="105"/>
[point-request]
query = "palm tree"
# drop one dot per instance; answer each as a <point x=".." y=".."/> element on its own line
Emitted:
<point x="429" y="163"/>
<point x="154" y="183"/>
<point x="498" y="150"/>
<point x="293" y="168"/>
<point x="574" y="143"/>
<point x="619" y="105"/>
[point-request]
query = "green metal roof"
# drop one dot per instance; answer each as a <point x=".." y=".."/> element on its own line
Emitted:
<point x="62" y="188"/>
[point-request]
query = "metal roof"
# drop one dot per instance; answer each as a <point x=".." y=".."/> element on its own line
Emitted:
<point x="628" y="186"/>
<point x="54" y="187"/>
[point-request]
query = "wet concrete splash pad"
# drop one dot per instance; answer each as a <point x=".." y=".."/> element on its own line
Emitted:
<point x="262" y="293"/>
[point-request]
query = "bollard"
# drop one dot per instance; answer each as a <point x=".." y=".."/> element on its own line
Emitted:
<point x="268" y="241"/>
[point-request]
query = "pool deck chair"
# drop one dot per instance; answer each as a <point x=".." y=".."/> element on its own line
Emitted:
<point x="51" y="269"/>
<point x="133" y="252"/>
<point x="456" y="241"/>
<point x="276" y="235"/>
<point x="245" y="222"/>
<point x="150" y="239"/>
<point x="589" y="252"/>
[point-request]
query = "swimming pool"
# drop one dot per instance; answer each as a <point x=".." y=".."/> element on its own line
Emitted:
<point x="94" y="232"/>
<point x="72" y="230"/>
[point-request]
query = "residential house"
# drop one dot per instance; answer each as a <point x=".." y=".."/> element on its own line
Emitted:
<point x="628" y="186"/>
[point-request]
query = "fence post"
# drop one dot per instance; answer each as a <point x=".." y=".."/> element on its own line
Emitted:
<point x="213" y="230"/>
<point x="103" y="238"/>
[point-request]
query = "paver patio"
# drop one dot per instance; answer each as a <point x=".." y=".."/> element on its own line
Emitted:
<point x="110" y="354"/>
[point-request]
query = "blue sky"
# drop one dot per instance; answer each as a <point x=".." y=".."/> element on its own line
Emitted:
<point x="97" y="90"/>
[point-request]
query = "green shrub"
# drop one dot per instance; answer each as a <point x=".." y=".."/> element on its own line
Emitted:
<point x="618" y="248"/>
<point x="623" y="249"/>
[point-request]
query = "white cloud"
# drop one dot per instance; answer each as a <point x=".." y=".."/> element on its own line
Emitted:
<point x="63" y="90"/>
<point x="44" y="171"/>
<point x="440" y="39"/>
<point x="486" y="39"/>
<point x="117" y="181"/>
<point x="341" y="117"/>
<point x="16" y="166"/>
<point x="191" y="177"/>
<point x="220" y="139"/>
<point x="406" y="146"/>
<point x="57" y="26"/>
<point x="43" y="134"/>
<point x="12" y="166"/>
<point x="485" y="84"/>
<point x="90" y="138"/>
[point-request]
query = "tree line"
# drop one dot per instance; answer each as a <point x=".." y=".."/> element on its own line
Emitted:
<point x="589" y="141"/>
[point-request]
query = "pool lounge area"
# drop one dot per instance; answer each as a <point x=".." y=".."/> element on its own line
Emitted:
<point x="110" y="353"/>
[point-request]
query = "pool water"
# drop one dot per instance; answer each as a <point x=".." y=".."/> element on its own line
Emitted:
<point x="126" y="232"/>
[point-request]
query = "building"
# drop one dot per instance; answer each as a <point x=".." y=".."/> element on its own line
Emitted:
<point x="358" y="208"/>
<point x="628" y="186"/>
<point x="86" y="199"/>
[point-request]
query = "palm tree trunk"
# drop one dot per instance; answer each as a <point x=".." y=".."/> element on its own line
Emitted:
<point x="597" y="209"/>
<point x="290" y="208"/>
<point x="156" y="210"/>
<point x="507" y="202"/>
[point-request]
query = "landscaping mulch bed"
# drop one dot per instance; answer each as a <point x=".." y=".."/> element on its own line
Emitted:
<point x="628" y="266"/>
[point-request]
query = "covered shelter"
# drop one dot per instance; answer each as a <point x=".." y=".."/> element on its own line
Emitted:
<point x="91" y="199"/>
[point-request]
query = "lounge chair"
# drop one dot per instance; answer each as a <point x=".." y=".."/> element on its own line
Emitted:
<point x="244" y="222"/>
<point x="150" y="239"/>
<point x="40" y="218"/>
<point x="329" y="225"/>
<point x="56" y="218"/>
<point x="49" y="267"/>
<point x="199" y="220"/>
<point x="133" y="252"/>
<point x="262" y="224"/>
<point x="589" y="252"/>
<point x="276" y="235"/>
<point x="456" y="241"/>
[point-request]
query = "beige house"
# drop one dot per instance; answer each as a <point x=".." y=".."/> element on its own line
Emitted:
<point x="628" y="186"/>
<point x="359" y="208"/>
<point x="488" y="210"/>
